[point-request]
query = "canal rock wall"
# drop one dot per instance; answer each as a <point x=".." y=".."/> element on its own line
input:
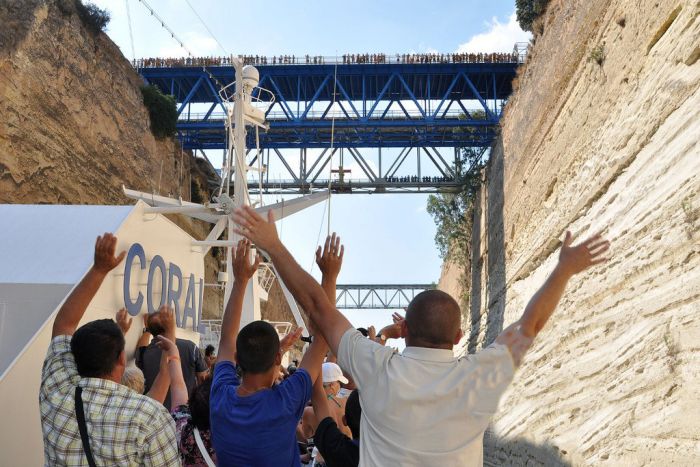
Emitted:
<point x="603" y="135"/>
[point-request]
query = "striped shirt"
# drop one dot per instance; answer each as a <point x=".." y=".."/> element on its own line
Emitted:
<point x="125" y="428"/>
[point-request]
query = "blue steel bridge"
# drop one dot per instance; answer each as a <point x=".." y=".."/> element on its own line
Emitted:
<point x="400" y="124"/>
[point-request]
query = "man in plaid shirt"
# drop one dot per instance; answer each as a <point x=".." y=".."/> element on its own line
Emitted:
<point x="124" y="428"/>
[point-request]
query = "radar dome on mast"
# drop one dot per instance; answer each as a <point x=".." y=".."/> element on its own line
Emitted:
<point x="251" y="77"/>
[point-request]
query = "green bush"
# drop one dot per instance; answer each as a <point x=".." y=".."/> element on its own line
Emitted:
<point x="93" y="17"/>
<point x="527" y="11"/>
<point x="162" y="110"/>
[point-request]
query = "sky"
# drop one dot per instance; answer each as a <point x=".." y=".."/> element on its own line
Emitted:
<point x="388" y="238"/>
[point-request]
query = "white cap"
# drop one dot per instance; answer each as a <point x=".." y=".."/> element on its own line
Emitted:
<point x="333" y="373"/>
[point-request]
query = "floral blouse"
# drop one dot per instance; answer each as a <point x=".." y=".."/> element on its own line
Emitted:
<point x="184" y="430"/>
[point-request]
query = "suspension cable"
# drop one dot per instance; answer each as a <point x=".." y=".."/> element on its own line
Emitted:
<point x="327" y="206"/>
<point x="131" y="33"/>
<point x="206" y="27"/>
<point x="179" y="41"/>
<point x="258" y="157"/>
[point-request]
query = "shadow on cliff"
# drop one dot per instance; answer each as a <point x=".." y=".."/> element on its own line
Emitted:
<point x="518" y="451"/>
<point x="477" y="266"/>
<point x="489" y="199"/>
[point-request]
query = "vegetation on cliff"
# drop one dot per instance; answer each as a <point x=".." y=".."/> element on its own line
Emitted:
<point x="452" y="212"/>
<point x="527" y="11"/>
<point x="93" y="17"/>
<point x="162" y="110"/>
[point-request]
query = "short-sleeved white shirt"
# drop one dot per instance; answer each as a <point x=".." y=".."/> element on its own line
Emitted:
<point x="424" y="406"/>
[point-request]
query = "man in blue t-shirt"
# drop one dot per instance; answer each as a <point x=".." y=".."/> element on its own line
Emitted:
<point x="253" y="421"/>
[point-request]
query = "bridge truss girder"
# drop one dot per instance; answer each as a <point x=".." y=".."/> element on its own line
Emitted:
<point x="408" y="170"/>
<point x="377" y="296"/>
<point x="391" y="105"/>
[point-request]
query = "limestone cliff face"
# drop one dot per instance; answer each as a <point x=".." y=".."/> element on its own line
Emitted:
<point x="614" y="378"/>
<point x="74" y="126"/>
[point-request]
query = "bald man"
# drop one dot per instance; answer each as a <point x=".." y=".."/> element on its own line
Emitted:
<point x="423" y="406"/>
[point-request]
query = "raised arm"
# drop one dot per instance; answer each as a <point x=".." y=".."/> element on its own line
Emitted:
<point x="391" y="331"/>
<point x="572" y="260"/>
<point x="178" y="388"/>
<point x="243" y="270"/>
<point x="288" y="341"/>
<point x="331" y="323"/>
<point x="160" y="386"/>
<point x="144" y="340"/>
<point x="329" y="262"/>
<point x="77" y="302"/>
<point x="313" y="358"/>
<point x="123" y="320"/>
<point x="319" y="401"/>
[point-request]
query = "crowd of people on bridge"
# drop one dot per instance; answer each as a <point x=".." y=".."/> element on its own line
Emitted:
<point x="389" y="179"/>
<point x="417" y="179"/>
<point x="346" y="59"/>
<point x="433" y="58"/>
<point x="350" y="400"/>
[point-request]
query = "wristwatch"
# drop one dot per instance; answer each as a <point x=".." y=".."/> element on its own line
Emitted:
<point x="381" y="337"/>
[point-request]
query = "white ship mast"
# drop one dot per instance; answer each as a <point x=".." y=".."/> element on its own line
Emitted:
<point x="242" y="109"/>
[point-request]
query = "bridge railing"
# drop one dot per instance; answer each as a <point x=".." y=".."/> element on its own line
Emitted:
<point x="415" y="180"/>
<point x="345" y="59"/>
<point x="322" y="115"/>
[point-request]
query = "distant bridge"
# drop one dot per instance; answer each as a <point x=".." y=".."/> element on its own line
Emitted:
<point x="377" y="296"/>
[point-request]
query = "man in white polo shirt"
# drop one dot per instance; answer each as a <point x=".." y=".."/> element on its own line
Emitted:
<point x="423" y="406"/>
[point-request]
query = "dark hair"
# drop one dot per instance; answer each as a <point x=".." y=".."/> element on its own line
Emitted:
<point x="353" y="413"/>
<point x="363" y="331"/>
<point x="199" y="404"/>
<point x="257" y="346"/>
<point x="153" y="324"/>
<point x="96" y="347"/>
<point x="433" y="319"/>
<point x="209" y="350"/>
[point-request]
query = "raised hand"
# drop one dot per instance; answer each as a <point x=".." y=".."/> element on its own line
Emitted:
<point x="289" y="340"/>
<point x="167" y="319"/>
<point x="331" y="259"/>
<point x="397" y="329"/>
<point x="167" y="345"/>
<point x="578" y="258"/>
<point x="372" y="333"/>
<point x="392" y="331"/>
<point x="123" y="320"/>
<point x="105" y="260"/>
<point x="243" y="270"/>
<point x="253" y="227"/>
<point x="73" y="309"/>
